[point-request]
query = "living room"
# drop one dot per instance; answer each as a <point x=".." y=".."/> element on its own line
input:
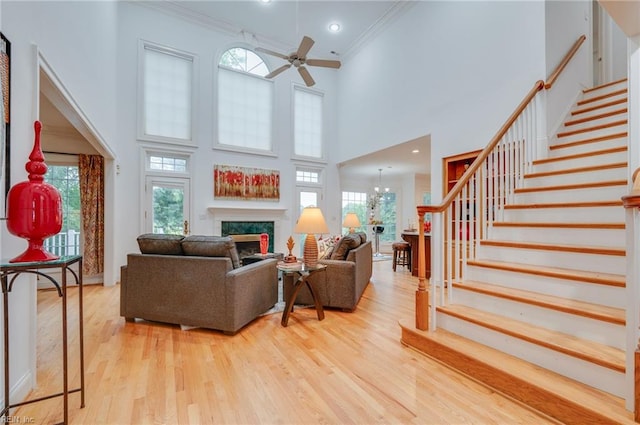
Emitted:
<point x="393" y="90"/>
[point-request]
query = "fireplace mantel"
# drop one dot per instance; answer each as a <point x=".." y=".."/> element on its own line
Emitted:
<point x="247" y="210"/>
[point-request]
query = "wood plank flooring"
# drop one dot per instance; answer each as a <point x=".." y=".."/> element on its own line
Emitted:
<point x="347" y="369"/>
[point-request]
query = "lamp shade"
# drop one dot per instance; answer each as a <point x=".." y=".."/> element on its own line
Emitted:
<point x="311" y="221"/>
<point x="351" y="220"/>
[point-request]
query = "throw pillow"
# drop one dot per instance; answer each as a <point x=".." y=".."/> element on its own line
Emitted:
<point x="211" y="246"/>
<point x="345" y="244"/>
<point x="153" y="243"/>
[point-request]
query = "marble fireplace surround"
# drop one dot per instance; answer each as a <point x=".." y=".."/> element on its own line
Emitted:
<point x="259" y="214"/>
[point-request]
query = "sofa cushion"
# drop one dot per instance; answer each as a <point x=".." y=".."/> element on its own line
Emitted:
<point x="363" y="237"/>
<point x="211" y="246"/>
<point x="345" y="244"/>
<point x="153" y="243"/>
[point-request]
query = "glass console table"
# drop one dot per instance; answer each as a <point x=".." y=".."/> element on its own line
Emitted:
<point x="8" y="274"/>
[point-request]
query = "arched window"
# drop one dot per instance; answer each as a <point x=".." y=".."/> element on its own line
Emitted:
<point x="245" y="101"/>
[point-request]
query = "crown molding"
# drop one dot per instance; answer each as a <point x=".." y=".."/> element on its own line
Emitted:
<point x="395" y="10"/>
<point x="175" y="9"/>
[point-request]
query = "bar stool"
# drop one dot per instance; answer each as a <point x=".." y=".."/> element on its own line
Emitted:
<point x="401" y="254"/>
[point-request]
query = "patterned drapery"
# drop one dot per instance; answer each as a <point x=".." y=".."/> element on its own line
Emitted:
<point x="91" y="171"/>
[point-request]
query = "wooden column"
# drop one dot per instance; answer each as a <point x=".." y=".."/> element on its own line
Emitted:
<point x="422" y="295"/>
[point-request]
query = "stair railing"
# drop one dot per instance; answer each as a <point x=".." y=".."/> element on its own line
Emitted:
<point x="466" y="213"/>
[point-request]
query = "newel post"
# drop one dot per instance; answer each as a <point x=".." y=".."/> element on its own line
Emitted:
<point x="422" y="296"/>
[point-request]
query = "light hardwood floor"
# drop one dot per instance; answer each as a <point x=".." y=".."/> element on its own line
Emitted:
<point x="347" y="369"/>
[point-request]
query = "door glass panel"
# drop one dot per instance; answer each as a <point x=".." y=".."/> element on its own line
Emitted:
<point x="168" y="205"/>
<point x="308" y="199"/>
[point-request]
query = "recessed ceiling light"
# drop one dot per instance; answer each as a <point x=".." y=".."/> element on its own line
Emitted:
<point x="415" y="151"/>
<point x="334" y="27"/>
<point x="265" y="1"/>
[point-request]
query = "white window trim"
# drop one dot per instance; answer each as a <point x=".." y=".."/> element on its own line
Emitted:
<point x="323" y="158"/>
<point x="142" y="44"/>
<point x="302" y="167"/>
<point x="232" y="148"/>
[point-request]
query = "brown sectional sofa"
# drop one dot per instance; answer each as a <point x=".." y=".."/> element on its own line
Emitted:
<point x="348" y="273"/>
<point x="195" y="281"/>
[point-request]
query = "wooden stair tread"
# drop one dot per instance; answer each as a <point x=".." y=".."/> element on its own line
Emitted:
<point x="592" y="128"/>
<point x="598" y="167"/>
<point x="592" y="185"/>
<point x="620" y="252"/>
<point x="590" y="351"/>
<point x="589" y="140"/>
<point x="612" y="203"/>
<point x="580" y="155"/>
<point x="579" y="308"/>
<point x="579" y="111"/>
<point x="596" y="117"/>
<point x="601" y="97"/>
<point x="559" y="225"/>
<point x="602" y="86"/>
<point x="608" y="279"/>
<point x="525" y="381"/>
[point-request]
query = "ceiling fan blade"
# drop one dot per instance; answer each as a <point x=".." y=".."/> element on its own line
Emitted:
<point x="277" y="71"/>
<point x="305" y="46"/>
<point x="304" y="73"/>
<point x="272" y="53"/>
<point x="323" y="62"/>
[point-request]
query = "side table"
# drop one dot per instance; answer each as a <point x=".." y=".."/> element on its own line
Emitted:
<point x="303" y="272"/>
<point x="8" y="274"/>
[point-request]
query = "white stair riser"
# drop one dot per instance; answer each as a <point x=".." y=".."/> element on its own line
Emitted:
<point x="595" y="122"/>
<point x="592" y="134"/>
<point x="611" y="296"/>
<point x="579" y="326"/>
<point x="588" y="161"/>
<point x="582" y="177"/>
<point x="596" y="376"/>
<point x="586" y="147"/>
<point x="608" y="214"/>
<point x="588" y="114"/>
<point x="599" y="102"/>
<point x="614" y="238"/>
<point x="588" y="194"/>
<point x="588" y="262"/>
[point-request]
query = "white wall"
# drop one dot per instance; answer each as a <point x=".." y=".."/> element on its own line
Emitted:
<point x="78" y="40"/>
<point x="454" y="70"/>
<point x="139" y="22"/>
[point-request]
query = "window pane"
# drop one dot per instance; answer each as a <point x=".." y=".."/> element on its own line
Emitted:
<point x="65" y="179"/>
<point x="167" y="95"/>
<point x="244" y="60"/>
<point x="355" y="202"/>
<point x="168" y="210"/>
<point x="244" y="110"/>
<point x="307" y="176"/>
<point x="167" y="163"/>
<point x="308" y="199"/>
<point x="308" y="124"/>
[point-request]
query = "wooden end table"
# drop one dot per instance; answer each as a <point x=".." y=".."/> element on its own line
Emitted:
<point x="304" y="273"/>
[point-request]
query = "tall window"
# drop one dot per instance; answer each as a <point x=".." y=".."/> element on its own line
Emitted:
<point x="307" y="109"/>
<point x="65" y="179"/>
<point x="355" y="202"/>
<point x="245" y="101"/>
<point x="167" y="91"/>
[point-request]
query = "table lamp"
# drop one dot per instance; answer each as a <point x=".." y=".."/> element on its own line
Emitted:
<point x="311" y="221"/>
<point x="351" y="221"/>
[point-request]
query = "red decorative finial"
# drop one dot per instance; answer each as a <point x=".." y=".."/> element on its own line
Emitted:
<point x="36" y="166"/>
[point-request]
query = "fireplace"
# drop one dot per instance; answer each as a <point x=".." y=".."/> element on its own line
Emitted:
<point x="246" y="234"/>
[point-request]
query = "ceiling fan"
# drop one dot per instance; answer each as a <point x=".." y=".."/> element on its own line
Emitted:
<point x="299" y="59"/>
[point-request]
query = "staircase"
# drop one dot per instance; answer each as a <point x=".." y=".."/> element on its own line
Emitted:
<point x="540" y="313"/>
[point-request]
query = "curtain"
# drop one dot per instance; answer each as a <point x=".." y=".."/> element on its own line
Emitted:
<point x="91" y="171"/>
